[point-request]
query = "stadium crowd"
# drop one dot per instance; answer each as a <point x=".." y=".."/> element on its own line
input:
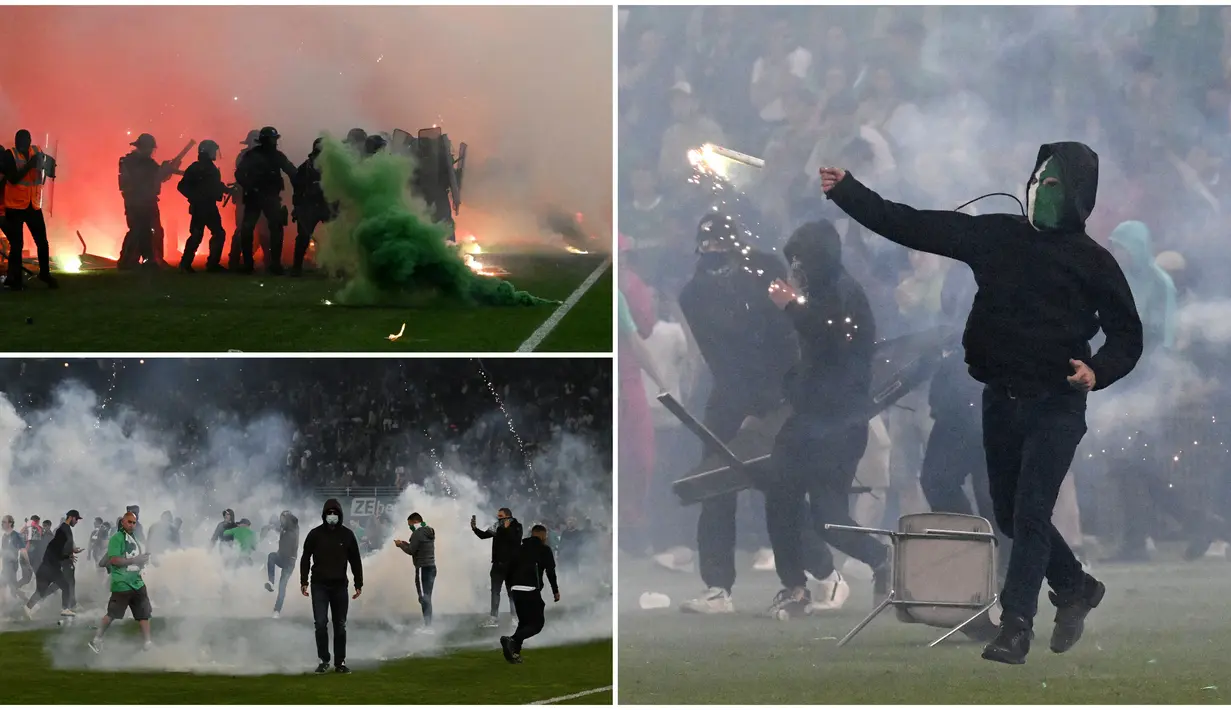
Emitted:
<point x="933" y="107"/>
<point x="387" y="423"/>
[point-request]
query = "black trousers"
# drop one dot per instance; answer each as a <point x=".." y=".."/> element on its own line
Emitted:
<point x="235" y="258"/>
<point x="530" y="615"/>
<point x="144" y="221"/>
<point x="204" y="217"/>
<point x="1029" y="442"/>
<point x="716" y="526"/>
<point x="305" y="225"/>
<point x="271" y="209"/>
<point x="425" y="583"/>
<point x="815" y="468"/>
<point x="48" y="578"/>
<point x="16" y="222"/>
<point x="499" y="581"/>
<point x="330" y="599"/>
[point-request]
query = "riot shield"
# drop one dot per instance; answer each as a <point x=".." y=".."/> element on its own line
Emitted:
<point x="899" y="366"/>
<point x="402" y="143"/>
<point x="428" y="174"/>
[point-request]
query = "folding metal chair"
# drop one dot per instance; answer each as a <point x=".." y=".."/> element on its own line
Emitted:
<point x="943" y="567"/>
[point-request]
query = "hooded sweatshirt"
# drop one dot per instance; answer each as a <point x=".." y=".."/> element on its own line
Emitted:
<point x="422" y="546"/>
<point x="223" y="526"/>
<point x="746" y="342"/>
<point x="328" y="549"/>
<point x="533" y="558"/>
<point x="834" y="324"/>
<point x="1153" y="290"/>
<point x="1043" y="294"/>
<point x="288" y="536"/>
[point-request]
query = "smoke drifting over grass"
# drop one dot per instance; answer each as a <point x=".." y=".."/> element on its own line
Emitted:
<point x="76" y="454"/>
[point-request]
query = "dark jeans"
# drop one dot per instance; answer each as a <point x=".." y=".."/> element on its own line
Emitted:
<point x="288" y="568"/>
<point x="955" y="451"/>
<point x="818" y="466"/>
<point x="330" y="599"/>
<point x="1029" y="443"/>
<point x="271" y="209"/>
<point x="425" y="582"/>
<point x="16" y="222"/>
<point x="47" y="578"/>
<point x="498" y="582"/>
<point x="716" y="526"/>
<point x="205" y="217"/>
<point x="530" y="615"/>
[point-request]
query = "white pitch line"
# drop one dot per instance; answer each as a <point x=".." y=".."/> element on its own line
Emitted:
<point x="562" y="698"/>
<point x="536" y="338"/>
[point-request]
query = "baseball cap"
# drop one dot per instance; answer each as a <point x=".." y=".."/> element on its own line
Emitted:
<point x="74" y="513"/>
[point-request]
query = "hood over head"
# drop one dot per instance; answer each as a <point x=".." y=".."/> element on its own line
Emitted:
<point x="815" y="249"/>
<point x="1134" y="238"/>
<point x="1153" y="289"/>
<point x="1062" y="188"/>
<point x="718" y="231"/>
<point x="332" y="505"/>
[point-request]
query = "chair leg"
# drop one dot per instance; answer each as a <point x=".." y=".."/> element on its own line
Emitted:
<point x="867" y="620"/>
<point x="965" y="623"/>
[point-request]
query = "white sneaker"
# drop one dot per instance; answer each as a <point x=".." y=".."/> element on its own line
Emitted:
<point x="714" y="601"/>
<point x="832" y="592"/>
<point x="677" y="559"/>
<point x="277" y="615"/>
<point x="764" y="561"/>
<point x="68" y="612"/>
<point x="1218" y="548"/>
<point x="491" y="623"/>
<point x="96" y="645"/>
<point x="147" y="646"/>
<point x="425" y="631"/>
<point x="29" y="612"/>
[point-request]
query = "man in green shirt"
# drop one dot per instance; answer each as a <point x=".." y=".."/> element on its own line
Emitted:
<point x="245" y="538"/>
<point x="124" y="560"/>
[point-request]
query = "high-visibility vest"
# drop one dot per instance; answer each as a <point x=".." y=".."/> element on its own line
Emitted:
<point x="28" y="192"/>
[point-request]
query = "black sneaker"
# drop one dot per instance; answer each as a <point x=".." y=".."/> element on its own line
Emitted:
<point x="981" y="629"/>
<point x="322" y="668"/>
<point x="1071" y="613"/>
<point x="341" y="668"/>
<point x="506" y="646"/>
<point x="1012" y="643"/>
<point x="215" y="269"/>
<point x="516" y="658"/>
<point x="269" y="586"/>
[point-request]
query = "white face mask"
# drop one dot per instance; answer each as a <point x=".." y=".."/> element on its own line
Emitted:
<point x="331" y="519"/>
<point x="1033" y="190"/>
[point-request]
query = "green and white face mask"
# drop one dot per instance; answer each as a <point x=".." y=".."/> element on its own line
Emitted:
<point x="1045" y="196"/>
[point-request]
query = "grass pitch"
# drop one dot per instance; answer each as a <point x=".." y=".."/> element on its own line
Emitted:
<point x="1161" y="635"/>
<point x="169" y="312"/>
<point x="477" y="675"/>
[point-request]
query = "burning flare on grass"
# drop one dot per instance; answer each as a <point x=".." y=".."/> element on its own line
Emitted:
<point x="574" y="250"/>
<point x="69" y="263"/>
<point x="394" y="336"/>
<point x="470" y="248"/>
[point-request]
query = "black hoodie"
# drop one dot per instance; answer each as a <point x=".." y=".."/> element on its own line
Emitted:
<point x="505" y="542"/>
<point x="1042" y="294"/>
<point x="746" y="342"/>
<point x="834" y="324"/>
<point x="288" y="535"/>
<point x="533" y="558"/>
<point x="328" y="549"/>
<point x="222" y="527"/>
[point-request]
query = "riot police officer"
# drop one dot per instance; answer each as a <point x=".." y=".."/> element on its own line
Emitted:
<point x="141" y="179"/>
<point x="202" y="186"/>
<point x="235" y="257"/>
<point x="259" y="175"/>
<point x="311" y="208"/>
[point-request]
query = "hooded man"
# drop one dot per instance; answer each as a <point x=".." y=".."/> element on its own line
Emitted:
<point x="202" y="186"/>
<point x="1152" y="287"/>
<point x="284" y="558"/>
<point x="228" y="522"/>
<point x="525" y="573"/>
<point x="506" y="540"/>
<point x="817" y="451"/>
<point x="748" y="345"/>
<point x="163" y="536"/>
<point x="422" y="550"/>
<point x="1045" y="289"/>
<point x="327" y="550"/>
<point x="56" y="569"/>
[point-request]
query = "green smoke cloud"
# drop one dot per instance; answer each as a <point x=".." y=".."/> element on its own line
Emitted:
<point x="385" y="246"/>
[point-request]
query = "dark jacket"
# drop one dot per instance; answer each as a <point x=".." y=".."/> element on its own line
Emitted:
<point x="328" y="549"/>
<point x="954" y="393"/>
<point x="422" y="546"/>
<point x="533" y="558"/>
<point x="288" y="536"/>
<point x="834" y="325"/>
<point x="747" y="343"/>
<point x="59" y="550"/>
<point x="505" y="542"/>
<point x="140" y="179"/>
<point x="223" y="527"/>
<point x="202" y="184"/>
<point x="1042" y="294"/>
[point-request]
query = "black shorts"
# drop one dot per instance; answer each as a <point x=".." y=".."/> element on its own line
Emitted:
<point x="138" y="601"/>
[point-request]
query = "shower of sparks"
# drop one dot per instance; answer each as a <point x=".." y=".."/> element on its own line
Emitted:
<point x="710" y="167"/>
<point x="380" y="58"/>
<point x="508" y="418"/>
